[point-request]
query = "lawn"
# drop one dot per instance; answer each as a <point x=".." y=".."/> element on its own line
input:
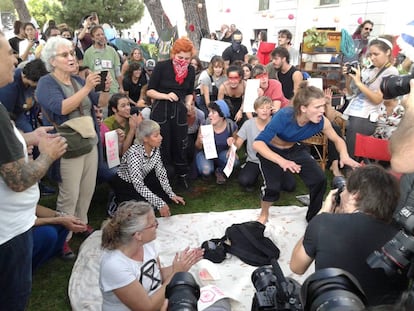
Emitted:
<point x="50" y="282"/>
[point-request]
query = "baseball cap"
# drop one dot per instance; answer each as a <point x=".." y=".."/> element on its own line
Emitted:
<point x="150" y="64"/>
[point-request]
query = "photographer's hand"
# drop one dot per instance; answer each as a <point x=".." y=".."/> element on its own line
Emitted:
<point x="329" y="205"/>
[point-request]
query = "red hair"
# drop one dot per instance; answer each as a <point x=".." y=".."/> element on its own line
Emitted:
<point x="183" y="45"/>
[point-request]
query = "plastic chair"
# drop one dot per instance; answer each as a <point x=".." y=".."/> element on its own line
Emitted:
<point x="372" y="148"/>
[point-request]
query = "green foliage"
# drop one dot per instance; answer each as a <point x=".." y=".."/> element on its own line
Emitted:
<point x="315" y="38"/>
<point x="119" y="13"/>
<point x="44" y="10"/>
<point x="6" y="6"/>
<point x="151" y="49"/>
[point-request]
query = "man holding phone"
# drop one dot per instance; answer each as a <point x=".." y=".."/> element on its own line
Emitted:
<point x="101" y="57"/>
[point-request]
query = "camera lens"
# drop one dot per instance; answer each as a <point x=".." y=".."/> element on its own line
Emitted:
<point x="263" y="277"/>
<point x="182" y="292"/>
<point x="393" y="86"/>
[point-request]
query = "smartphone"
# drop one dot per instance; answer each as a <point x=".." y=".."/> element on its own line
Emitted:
<point x="94" y="16"/>
<point x="101" y="86"/>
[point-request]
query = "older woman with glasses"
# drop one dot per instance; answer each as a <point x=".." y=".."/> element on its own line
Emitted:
<point x="64" y="96"/>
<point x="131" y="276"/>
<point x="141" y="175"/>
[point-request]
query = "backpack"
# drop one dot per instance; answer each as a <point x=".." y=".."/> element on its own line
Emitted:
<point x="246" y="241"/>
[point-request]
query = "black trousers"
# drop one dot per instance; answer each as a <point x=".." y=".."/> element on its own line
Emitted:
<point x="172" y="118"/>
<point x="311" y="174"/>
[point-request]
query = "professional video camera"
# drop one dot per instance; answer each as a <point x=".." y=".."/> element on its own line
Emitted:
<point x="273" y="290"/>
<point x="182" y="292"/>
<point x="332" y="289"/>
<point x="398" y="253"/>
<point x="393" y="85"/>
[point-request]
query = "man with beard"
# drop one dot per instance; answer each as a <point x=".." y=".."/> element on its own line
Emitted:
<point x="101" y="56"/>
<point x="287" y="74"/>
<point x="237" y="51"/>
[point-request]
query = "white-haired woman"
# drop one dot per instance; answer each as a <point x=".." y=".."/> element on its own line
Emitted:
<point x="64" y="96"/>
<point x="131" y="277"/>
<point x="141" y="175"/>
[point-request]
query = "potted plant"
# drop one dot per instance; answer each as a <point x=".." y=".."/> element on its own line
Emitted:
<point x="315" y="40"/>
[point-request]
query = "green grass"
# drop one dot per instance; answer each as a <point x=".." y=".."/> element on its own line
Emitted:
<point x="50" y="282"/>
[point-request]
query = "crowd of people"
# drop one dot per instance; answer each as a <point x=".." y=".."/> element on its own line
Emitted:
<point x="175" y="121"/>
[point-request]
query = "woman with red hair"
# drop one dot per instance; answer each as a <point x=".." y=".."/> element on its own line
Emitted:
<point x="171" y="87"/>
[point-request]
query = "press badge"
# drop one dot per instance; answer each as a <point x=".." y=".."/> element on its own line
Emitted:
<point x="106" y="64"/>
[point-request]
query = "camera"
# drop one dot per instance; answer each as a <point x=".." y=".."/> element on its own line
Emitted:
<point x="393" y="86"/>
<point x="134" y="110"/>
<point x="332" y="289"/>
<point x="182" y="292"/>
<point x="274" y="291"/>
<point x="351" y="65"/>
<point x="338" y="182"/>
<point x="396" y="255"/>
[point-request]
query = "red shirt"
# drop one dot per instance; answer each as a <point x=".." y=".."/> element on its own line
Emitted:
<point x="275" y="92"/>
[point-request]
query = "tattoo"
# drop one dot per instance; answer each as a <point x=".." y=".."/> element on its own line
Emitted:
<point x="20" y="175"/>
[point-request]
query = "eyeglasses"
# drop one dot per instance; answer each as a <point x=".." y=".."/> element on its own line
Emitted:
<point x="66" y="54"/>
<point x="155" y="224"/>
<point x="369" y="29"/>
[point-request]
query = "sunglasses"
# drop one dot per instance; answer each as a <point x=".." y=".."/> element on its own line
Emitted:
<point x="369" y="29"/>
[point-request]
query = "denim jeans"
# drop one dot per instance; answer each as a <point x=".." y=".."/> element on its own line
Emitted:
<point x="47" y="242"/>
<point x="206" y="167"/>
<point x="16" y="272"/>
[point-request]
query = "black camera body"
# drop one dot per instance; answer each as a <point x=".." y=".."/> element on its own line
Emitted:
<point x="351" y="65"/>
<point x="393" y="86"/>
<point x="338" y="182"/>
<point x="398" y="253"/>
<point x="274" y="291"/>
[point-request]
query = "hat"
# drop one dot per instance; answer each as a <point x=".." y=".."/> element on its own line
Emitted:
<point x="150" y="64"/>
<point x="406" y="41"/>
<point x="221" y="103"/>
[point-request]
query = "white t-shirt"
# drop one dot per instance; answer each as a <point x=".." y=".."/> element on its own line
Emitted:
<point x="117" y="270"/>
<point x="17" y="209"/>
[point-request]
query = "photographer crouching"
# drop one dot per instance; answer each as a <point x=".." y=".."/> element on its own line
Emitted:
<point x="349" y="228"/>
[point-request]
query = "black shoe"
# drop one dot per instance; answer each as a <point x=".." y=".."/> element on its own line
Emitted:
<point x="182" y="183"/>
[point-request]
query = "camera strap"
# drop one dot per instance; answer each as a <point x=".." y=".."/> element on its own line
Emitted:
<point x="387" y="65"/>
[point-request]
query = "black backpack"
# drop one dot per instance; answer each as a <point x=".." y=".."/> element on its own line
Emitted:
<point x="244" y="240"/>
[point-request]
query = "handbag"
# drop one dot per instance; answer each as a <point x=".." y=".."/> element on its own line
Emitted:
<point x="78" y="132"/>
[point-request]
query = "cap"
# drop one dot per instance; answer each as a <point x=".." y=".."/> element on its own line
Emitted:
<point x="223" y="107"/>
<point x="150" y="64"/>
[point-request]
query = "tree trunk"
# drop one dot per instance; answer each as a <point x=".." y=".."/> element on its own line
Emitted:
<point x="22" y="11"/>
<point x="197" y="23"/>
<point x="159" y="18"/>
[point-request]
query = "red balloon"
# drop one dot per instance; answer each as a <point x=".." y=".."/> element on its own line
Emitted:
<point x="291" y="16"/>
<point x="360" y="20"/>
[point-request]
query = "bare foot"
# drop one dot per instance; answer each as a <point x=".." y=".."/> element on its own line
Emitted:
<point x="262" y="219"/>
<point x="335" y="168"/>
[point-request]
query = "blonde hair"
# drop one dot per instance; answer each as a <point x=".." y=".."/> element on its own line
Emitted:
<point x="262" y="100"/>
<point x="130" y="217"/>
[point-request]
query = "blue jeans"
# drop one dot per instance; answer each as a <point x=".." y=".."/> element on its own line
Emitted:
<point x="206" y="167"/>
<point x="16" y="272"/>
<point x="47" y="242"/>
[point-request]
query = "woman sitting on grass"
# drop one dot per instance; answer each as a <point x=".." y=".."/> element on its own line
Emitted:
<point x="141" y="175"/>
<point x="224" y="129"/>
<point x="131" y="277"/>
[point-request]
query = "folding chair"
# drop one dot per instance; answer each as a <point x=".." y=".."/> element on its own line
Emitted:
<point x="372" y="148"/>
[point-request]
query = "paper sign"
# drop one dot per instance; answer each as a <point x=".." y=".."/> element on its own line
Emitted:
<point x="210" y="48"/>
<point x="209" y="144"/>
<point x="317" y="82"/>
<point x="230" y="161"/>
<point x="112" y="149"/>
<point x="250" y="95"/>
<point x="208" y="295"/>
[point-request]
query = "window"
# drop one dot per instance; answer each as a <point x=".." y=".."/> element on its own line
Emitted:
<point x="328" y="2"/>
<point x="263" y="5"/>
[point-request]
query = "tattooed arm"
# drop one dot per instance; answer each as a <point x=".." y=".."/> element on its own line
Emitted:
<point x="20" y="175"/>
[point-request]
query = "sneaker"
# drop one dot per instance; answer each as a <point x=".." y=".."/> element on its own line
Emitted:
<point x="220" y="179"/>
<point x="67" y="253"/>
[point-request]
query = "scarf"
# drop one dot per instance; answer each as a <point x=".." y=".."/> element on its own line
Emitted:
<point x="180" y="69"/>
